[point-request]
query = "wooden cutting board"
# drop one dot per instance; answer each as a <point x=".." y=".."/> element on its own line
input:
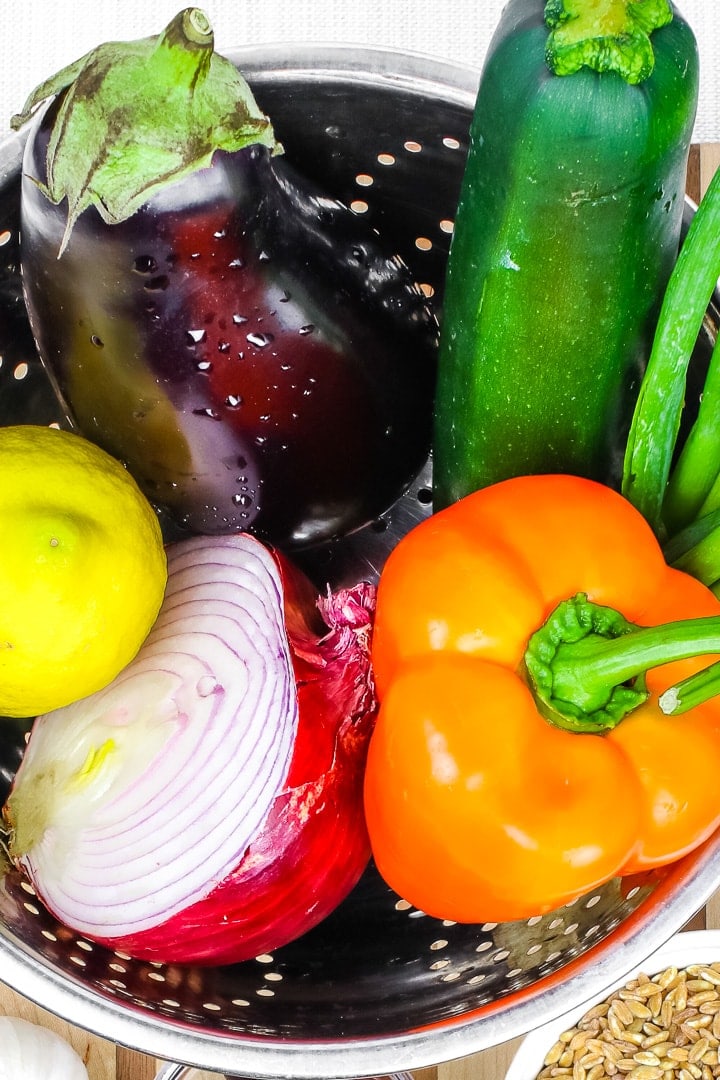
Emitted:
<point x="704" y="161"/>
<point x="105" y="1061"/>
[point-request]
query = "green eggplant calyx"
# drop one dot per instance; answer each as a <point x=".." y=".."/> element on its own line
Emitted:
<point x="136" y="116"/>
<point x="605" y="35"/>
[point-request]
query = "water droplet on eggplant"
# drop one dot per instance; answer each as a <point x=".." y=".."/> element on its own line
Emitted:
<point x="239" y="319"/>
<point x="259" y="340"/>
<point x="157" y="284"/>
<point x="211" y="413"/>
<point x="243" y="500"/>
<point x="195" y="337"/>
<point x="308" y="328"/>
<point x="233" y="401"/>
<point x="145" y="264"/>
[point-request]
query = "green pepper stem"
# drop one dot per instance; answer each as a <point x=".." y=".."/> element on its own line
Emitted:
<point x="586" y="663"/>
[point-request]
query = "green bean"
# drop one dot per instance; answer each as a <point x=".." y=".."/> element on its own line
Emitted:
<point x="692" y="489"/>
<point x="696" y="549"/>
<point x="656" y="421"/>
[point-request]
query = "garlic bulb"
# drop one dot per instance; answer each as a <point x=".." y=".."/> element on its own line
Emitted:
<point x="32" y="1052"/>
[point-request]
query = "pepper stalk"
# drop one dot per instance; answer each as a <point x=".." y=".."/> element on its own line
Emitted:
<point x="586" y="664"/>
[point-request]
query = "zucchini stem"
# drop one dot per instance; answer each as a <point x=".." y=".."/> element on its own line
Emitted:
<point x="605" y="35"/>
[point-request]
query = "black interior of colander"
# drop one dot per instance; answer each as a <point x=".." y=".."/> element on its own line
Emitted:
<point x="378" y="965"/>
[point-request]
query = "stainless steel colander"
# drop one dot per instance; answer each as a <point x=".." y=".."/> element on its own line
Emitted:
<point x="172" y="1071"/>
<point x="378" y="987"/>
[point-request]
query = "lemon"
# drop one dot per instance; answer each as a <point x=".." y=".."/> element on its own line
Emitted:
<point x="82" y="568"/>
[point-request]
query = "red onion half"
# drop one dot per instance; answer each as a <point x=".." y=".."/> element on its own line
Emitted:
<point x="206" y="806"/>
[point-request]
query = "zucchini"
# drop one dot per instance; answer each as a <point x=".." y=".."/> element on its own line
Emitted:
<point x="566" y="231"/>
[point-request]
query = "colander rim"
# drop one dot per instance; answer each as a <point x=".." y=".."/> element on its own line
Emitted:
<point x="489" y="1025"/>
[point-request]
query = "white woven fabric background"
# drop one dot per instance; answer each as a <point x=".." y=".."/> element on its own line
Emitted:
<point x="40" y="37"/>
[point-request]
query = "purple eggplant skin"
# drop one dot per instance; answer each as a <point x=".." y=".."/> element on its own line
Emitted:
<point x="242" y="342"/>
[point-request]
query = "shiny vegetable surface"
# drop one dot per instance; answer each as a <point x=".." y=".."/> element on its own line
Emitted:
<point x="520" y="757"/>
<point x="207" y="806"/>
<point x="244" y="342"/>
<point x="566" y="231"/>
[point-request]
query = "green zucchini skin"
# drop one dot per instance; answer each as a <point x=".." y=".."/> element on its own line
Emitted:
<point x="567" y="227"/>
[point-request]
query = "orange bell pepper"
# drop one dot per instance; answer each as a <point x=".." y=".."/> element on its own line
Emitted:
<point x="523" y="637"/>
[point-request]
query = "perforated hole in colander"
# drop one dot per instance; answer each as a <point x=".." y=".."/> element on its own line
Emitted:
<point x="379" y="985"/>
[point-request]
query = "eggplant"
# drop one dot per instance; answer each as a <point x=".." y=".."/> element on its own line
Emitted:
<point x="240" y="340"/>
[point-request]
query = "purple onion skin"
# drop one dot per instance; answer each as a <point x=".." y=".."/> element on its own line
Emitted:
<point x="243" y="344"/>
<point x="314" y="845"/>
